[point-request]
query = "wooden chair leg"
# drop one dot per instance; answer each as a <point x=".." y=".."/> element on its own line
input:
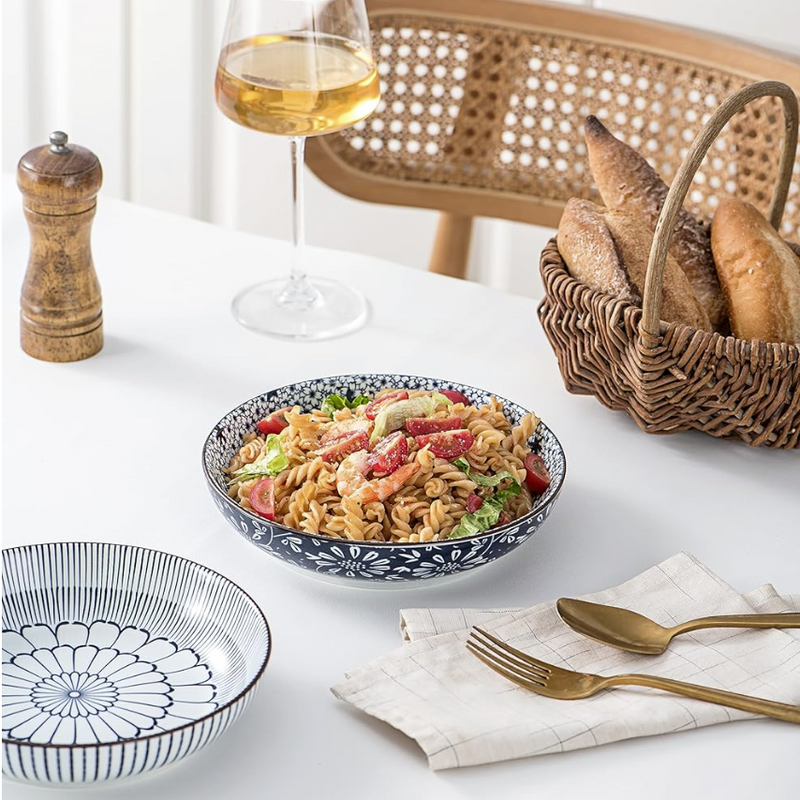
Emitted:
<point x="451" y="246"/>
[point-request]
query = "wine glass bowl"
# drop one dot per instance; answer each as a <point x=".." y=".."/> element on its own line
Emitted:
<point x="298" y="68"/>
<point x="316" y="84"/>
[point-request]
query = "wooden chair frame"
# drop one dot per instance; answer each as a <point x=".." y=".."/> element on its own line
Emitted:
<point x="460" y="204"/>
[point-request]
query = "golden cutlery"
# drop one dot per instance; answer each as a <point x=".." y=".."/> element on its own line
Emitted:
<point x="566" y="684"/>
<point x="628" y="630"/>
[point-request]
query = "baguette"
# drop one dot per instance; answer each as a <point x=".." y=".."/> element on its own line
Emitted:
<point x="759" y="273"/>
<point x="627" y="183"/>
<point x="608" y="251"/>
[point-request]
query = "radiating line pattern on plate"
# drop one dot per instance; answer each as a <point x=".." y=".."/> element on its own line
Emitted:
<point x="118" y="660"/>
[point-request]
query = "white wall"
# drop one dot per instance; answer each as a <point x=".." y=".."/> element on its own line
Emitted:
<point x="132" y="80"/>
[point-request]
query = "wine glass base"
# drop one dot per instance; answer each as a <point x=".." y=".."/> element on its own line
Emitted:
<point x="336" y="310"/>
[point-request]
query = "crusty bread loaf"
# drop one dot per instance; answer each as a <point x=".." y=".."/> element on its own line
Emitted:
<point x="759" y="273"/>
<point x="626" y="182"/>
<point x="590" y="252"/>
<point x="679" y="302"/>
<point x="608" y="250"/>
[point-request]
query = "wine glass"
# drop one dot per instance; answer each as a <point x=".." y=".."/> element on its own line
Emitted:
<point x="298" y="68"/>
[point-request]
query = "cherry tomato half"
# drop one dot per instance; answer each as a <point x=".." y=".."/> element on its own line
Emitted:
<point x="343" y="445"/>
<point x="455" y="396"/>
<point x="474" y="502"/>
<point x="418" y="426"/>
<point x="536" y="475"/>
<point x="274" y="422"/>
<point x="389" y="453"/>
<point x="262" y="498"/>
<point x="448" y="444"/>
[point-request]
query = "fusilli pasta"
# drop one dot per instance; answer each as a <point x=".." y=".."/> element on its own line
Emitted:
<point x="415" y="491"/>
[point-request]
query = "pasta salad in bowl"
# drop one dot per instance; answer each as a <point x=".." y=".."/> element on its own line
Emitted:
<point x="383" y="479"/>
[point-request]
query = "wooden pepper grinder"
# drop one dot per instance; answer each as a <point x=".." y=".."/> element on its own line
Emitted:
<point x="61" y="317"/>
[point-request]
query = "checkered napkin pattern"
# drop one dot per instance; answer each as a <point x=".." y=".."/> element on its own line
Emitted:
<point x="461" y="713"/>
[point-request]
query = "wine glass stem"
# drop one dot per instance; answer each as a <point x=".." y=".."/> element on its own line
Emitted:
<point x="298" y="145"/>
<point x="298" y="293"/>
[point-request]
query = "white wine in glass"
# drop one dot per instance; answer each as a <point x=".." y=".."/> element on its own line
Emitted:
<point x="298" y="68"/>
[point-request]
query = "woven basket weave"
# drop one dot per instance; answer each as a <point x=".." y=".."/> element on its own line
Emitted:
<point x="669" y="377"/>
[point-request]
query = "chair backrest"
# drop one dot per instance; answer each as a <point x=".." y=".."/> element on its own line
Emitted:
<point x="483" y="103"/>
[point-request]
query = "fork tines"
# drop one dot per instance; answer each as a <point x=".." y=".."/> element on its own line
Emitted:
<point x="512" y="664"/>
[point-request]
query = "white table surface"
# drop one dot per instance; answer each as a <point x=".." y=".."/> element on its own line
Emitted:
<point x="86" y="444"/>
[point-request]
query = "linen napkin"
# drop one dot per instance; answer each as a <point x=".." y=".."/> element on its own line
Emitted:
<point x="461" y="713"/>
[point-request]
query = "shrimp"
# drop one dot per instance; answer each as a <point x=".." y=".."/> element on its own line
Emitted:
<point x="344" y="426"/>
<point x="350" y="480"/>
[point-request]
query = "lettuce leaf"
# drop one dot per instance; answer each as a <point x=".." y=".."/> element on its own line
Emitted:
<point x="512" y="490"/>
<point x="471" y="524"/>
<point x="393" y="417"/>
<point x="336" y="402"/>
<point x="482" y="480"/>
<point x="489" y="513"/>
<point x="269" y="464"/>
<point x="442" y="400"/>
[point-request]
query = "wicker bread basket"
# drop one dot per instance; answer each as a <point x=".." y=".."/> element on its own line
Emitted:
<point x="669" y="377"/>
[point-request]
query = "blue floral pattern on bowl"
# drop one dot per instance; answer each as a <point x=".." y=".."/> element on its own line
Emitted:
<point x="360" y="563"/>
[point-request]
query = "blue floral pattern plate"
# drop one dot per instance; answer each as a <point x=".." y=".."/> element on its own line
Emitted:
<point x="119" y="660"/>
<point x="372" y="565"/>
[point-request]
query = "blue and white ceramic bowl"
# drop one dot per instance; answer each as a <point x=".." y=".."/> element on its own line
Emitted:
<point x="118" y="660"/>
<point x="373" y="565"/>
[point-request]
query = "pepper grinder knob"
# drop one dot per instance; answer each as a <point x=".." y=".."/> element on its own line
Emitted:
<point x="58" y="142"/>
<point x="61" y="317"/>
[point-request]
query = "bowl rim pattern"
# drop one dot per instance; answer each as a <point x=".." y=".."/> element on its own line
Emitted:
<point x="206" y="717"/>
<point x="285" y="529"/>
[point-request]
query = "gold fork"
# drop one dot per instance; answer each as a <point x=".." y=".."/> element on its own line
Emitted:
<point x="566" y="684"/>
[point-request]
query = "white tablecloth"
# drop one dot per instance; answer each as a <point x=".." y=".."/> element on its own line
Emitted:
<point x="109" y="449"/>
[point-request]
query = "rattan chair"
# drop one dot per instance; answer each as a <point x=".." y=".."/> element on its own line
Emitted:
<point x="484" y="101"/>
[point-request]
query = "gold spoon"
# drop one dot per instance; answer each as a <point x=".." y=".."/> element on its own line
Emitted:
<point x="628" y="630"/>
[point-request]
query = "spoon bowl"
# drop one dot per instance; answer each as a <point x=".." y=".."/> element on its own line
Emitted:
<point x="627" y="630"/>
<point x="616" y="627"/>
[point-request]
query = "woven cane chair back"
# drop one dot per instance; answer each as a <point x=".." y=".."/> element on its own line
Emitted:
<point x="483" y="105"/>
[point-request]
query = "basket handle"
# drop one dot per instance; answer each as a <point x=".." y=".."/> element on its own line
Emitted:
<point x="651" y="306"/>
